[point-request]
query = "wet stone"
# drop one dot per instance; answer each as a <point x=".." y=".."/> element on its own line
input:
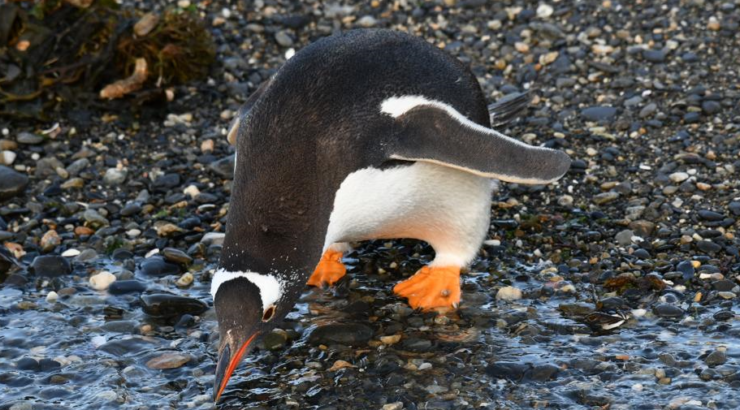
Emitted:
<point x="168" y="361"/>
<point x="130" y="209"/>
<point x="710" y="215"/>
<point x="715" y="358"/>
<point x="624" y="238"/>
<point x="12" y="183"/>
<point x="122" y="287"/>
<point x="599" y="113"/>
<point x="165" y="305"/>
<point x="176" y="256"/>
<point x="340" y="333"/>
<point x="668" y="311"/>
<point x="157" y="266"/>
<point x="507" y="370"/>
<point x="708" y="246"/>
<point x="687" y="269"/>
<point x="51" y="266"/>
<point x="723" y="315"/>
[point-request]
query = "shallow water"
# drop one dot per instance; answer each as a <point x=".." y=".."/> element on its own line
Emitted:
<point x="100" y="345"/>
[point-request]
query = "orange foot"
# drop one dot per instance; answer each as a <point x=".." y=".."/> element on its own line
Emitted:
<point x="429" y="288"/>
<point x="329" y="270"/>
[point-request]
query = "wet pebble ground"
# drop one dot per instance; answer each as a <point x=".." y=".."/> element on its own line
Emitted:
<point x="616" y="288"/>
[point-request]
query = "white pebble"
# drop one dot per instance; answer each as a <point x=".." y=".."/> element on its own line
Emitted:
<point x="102" y="280"/>
<point x="639" y="312"/>
<point x="151" y="253"/>
<point x="71" y="253"/>
<point x="679" y="176"/>
<point x="637" y="387"/>
<point x="52" y="297"/>
<point x="509" y="293"/>
<point x="191" y="190"/>
<point x="544" y="11"/>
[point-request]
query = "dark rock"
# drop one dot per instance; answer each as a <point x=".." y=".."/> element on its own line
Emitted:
<point x="51" y="266"/>
<point x="734" y="207"/>
<point x="654" y="56"/>
<point x="708" y="246"/>
<point x="723" y="315"/>
<point x="121" y="287"/>
<point x="28" y="138"/>
<point x="711" y="107"/>
<point x="166" y="305"/>
<point x="132" y="208"/>
<point x="157" y="266"/>
<point x="350" y="334"/>
<point x="167" y="181"/>
<point x="46" y="365"/>
<point x="715" y="358"/>
<point x="668" y="311"/>
<point x="176" y="256"/>
<point x="686" y="269"/>
<point x="544" y="372"/>
<point x="28" y="363"/>
<point x="599" y="113"/>
<point x="507" y="370"/>
<point x="11" y="183"/>
<point x="710" y="215"/>
<point x="723" y="285"/>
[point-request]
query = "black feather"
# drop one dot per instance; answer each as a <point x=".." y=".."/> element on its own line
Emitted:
<point x="508" y="109"/>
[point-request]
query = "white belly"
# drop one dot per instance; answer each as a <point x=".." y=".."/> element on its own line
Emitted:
<point x="448" y="208"/>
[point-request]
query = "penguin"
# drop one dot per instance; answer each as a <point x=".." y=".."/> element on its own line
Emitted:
<point x="368" y="134"/>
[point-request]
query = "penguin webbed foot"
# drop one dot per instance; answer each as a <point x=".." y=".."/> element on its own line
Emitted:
<point x="329" y="270"/>
<point x="431" y="288"/>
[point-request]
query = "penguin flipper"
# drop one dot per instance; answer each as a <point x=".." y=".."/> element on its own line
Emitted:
<point x="244" y="110"/>
<point x="508" y="108"/>
<point x="432" y="131"/>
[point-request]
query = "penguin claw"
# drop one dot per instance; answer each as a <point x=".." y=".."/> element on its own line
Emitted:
<point x="431" y="288"/>
<point x="329" y="270"/>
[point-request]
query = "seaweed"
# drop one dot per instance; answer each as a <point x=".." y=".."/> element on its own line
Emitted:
<point x="55" y="52"/>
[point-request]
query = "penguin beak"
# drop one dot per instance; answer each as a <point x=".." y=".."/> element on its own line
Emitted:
<point x="227" y="363"/>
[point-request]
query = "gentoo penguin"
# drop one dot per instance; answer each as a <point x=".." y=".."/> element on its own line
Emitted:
<point x="371" y="134"/>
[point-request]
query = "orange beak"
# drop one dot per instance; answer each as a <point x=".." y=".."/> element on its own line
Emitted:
<point x="226" y="366"/>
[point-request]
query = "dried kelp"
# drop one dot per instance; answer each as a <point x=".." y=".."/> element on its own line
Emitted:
<point x="54" y="52"/>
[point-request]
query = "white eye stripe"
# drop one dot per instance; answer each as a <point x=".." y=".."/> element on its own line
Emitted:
<point x="270" y="288"/>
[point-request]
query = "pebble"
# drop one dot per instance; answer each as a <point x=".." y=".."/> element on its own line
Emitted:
<point x="52" y="297"/>
<point x="716" y="358"/>
<point x="597" y="114"/>
<point x="679" y="177"/>
<point x="605" y="197"/>
<point x="165" y="305"/>
<point x="168" y="361"/>
<point x="12" y="183"/>
<point x="157" y="266"/>
<point x="509" y="293"/>
<point x="669" y="311"/>
<point x="122" y="287"/>
<point x="115" y="176"/>
<point x="102" y="280"/>
<point x="351" y="334"/>
<point x="176" y="256"/>
<point x="185" y="280"/>
<point x="544" y="11"/>
<point x="283" y="39"/>
<point x="51" y="266"/>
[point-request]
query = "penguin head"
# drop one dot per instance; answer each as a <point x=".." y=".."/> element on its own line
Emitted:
<point x="247" y="309"/>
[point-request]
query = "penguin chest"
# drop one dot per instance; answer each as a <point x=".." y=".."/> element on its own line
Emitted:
<point x="422" y="201"/>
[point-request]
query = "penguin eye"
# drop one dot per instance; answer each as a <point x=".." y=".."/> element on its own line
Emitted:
<point x="269" y="314"/>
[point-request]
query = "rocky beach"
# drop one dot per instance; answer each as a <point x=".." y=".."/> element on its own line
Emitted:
<point x="618" y="287"/>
